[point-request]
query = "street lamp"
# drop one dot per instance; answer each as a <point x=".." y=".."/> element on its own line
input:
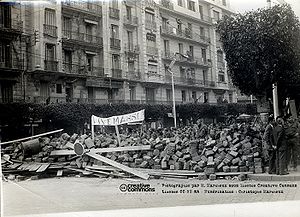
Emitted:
<point x="173" y="86"/>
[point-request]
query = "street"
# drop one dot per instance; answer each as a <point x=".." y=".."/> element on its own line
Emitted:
<point x="60" y="195"/>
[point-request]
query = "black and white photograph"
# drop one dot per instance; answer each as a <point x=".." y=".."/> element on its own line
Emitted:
<point x="149" y="108"/>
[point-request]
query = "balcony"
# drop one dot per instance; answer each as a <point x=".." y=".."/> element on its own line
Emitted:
<point x="150" y="3"/>
<point x="150" y="24"/>
<point x="9" y="25"/>
<point x="51" y="65"/>
<point x="221" y="65"/>
<point x="84" y="6"/>
<point x="152" y="51"/>
<point x="167" y="4"/>
<point x="12" y="63"/>
<point x="115" y="43"/>
<point x="133" y="75"/>
<point x="116" y="73"/>
<point x="114" y="13"/>
<point x="50" y="30"/>
<point x="131" y="48"/>
<point x="189" y="81"/>
<point x="205" y="18"/>
<point x="130" y="21"/>
<point x="76" y="69"/>
<point x="82" y="37"/>
<point x="186" y="34"/>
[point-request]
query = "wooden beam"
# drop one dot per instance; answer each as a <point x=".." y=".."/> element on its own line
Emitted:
<point x="43" y="167"/>
<point x="103" y="150"/>
<point x="31" y="137"/>
<point x="118" y="165"/>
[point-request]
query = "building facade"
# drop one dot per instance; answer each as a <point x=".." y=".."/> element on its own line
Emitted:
<point x="113" y="51"/>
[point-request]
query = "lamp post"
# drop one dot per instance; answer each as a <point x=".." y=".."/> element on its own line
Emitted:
<point x="173" y="85"/>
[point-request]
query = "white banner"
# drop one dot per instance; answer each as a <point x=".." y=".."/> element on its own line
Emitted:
<point x="120" y="119"/>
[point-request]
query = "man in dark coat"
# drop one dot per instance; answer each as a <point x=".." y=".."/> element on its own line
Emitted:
<point x="292" y="138"/>
<point x="268" y="149"/>
<point x="280" y="146"/>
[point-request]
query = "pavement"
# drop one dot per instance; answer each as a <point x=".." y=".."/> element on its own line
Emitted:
<point x="71" y="196"/>
<point x="292" y="176"/>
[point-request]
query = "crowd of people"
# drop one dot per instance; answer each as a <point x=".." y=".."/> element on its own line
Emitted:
<point x="281" y="144"/>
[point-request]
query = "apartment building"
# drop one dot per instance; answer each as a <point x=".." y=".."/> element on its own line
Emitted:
<point x="116" y="51"/>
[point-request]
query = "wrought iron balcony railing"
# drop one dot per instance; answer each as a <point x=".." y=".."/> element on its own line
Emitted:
<point x="11" y="24"/>
<point x="50" y="30"/>
<point x="84" y="5"/>
<point x="115" y="43"/>
<point x="114" y="13"/>
<point x="116" y="73"/>
<point x="69" y="35"/>
<point x="51" y="65"/>
<point x="130" y="20"/>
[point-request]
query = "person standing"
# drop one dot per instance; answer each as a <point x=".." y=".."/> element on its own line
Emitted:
<point x="292" y="139"/>
<point x="268" y="150"/>
<point x="280" y="146"/>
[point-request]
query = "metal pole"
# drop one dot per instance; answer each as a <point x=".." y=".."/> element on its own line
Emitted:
<point x="275" y="101"/>
<point x="174" y="104"/>
<point x="251" y="98"/>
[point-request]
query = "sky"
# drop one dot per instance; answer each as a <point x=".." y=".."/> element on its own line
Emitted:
<point x="247" y="5"/>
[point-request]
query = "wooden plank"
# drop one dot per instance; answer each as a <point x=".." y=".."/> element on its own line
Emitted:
<point x="31" y="137"/>
<point x="14" y="166"/>
<point x="118" y="165"/>
<point x="59" y="173"/>
<point x="43" y="167"/>
<point x="232" y="173"/>
<point x="62" y="152"/>
<point x="35" y="167"/>
<point x="173" y="172"/>
<point x="103" y="168"/>
<point x="106" y="173"/>
<point x="103" y="150"/>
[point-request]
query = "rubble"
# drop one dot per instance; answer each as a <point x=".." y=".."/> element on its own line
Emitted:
<point x="183" y="152"/>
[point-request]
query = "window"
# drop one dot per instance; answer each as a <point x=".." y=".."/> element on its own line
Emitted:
<point x="191" y="51"/>
<point x="89" y="29"/>
<point x="67" y="61"/>
<point x="224" y="2"/>
<point x="5" y="15"/>
<point x="179" y="26"/>
<point x="90" y="62"/>
<point x="50" y="53"/>
<point x="219" y="56"/>
<point x="180" y="3"/>
<point x="116" y="61"/>
<point x="206" y="97"/>
<point x="221" y="76"/>
<point x="203" y="53"/>
<point x="5" y="54"/>
<point x="149" y="17"/>
<point x="194" y="95"/>
<point x="204" y="75"/>
<point x="191" y="73"/>
<point x="167" y="48"/>
<point x="182" y="72"/>
<point x="150" y="94"/>
<point x="164" y="23"/>
<point x="130" y="66"/>
<point x="6" y="92"/>
<point x="201" y="11"/>
<point x="128" y="12"/>
<point x="132" y="93"/>
<point x="183" y="95"/>
<point x="130" y="40"/>
<point x="202" y="31"/>
<point x="59" y="88"/>
<point x="114" y="31"/>
<point x="216" y="15"/>
<point x="50" y="18"/>
<point x="191" y="5"/>
<point x="169" y="95"/>
<point x="67" y="24"/>
<point x="180" y="47"/>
